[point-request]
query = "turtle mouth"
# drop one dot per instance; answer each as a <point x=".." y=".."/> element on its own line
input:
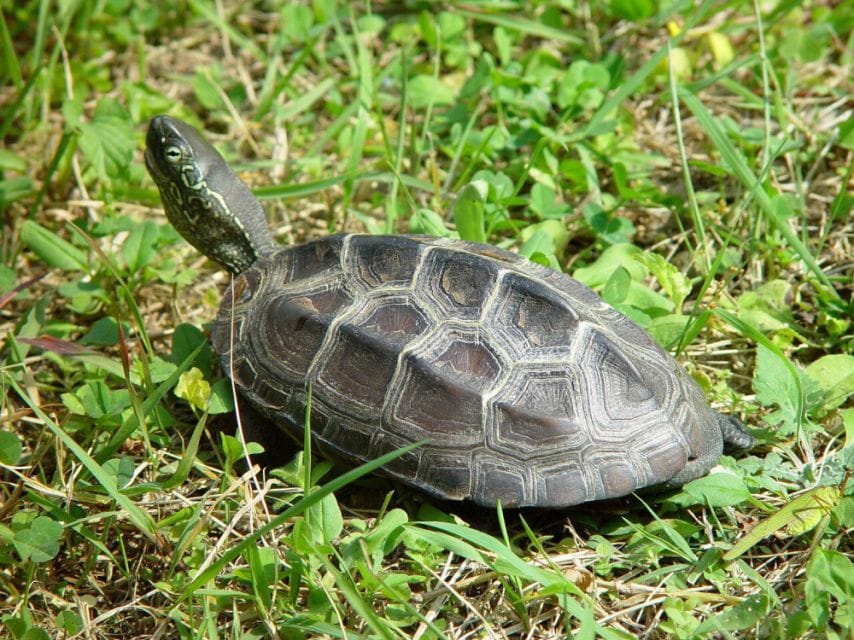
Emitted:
<point x="154" y="141"/>
<point x="151" y="164"/>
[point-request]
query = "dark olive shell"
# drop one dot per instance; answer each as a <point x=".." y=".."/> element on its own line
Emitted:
<point x="525" y="385"/>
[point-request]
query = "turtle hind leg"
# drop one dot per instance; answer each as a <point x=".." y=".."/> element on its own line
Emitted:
<point x="736" y="436"/>
<point x="730" y="435"/>
<point x="698" y="466"/>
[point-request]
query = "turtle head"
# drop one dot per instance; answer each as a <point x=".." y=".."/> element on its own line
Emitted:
<point x="204" y="200"/>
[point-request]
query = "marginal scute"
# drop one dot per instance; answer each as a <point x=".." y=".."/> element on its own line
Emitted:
<point x="665" y="460"/>
<point x="500" y="483"/>
<point x="619" y="478"/>
<point x="564" y="486"/>
<point x="271" y="397"/>
<point x="244" y="288"/>
<point x="449" y="472"/>
<point x="405" y="465"/>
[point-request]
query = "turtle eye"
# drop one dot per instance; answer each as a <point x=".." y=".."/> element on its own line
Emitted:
<point x="173" y="154"/>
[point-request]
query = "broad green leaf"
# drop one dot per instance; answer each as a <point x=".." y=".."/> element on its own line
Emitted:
<point x="503" y="44"/>
<point x="795" y="518"/>
<point x="545" y="204"/>
<point x="7" y="280"/>
<point x="667" y="330"/>
<point x="775" y="385"/>
<point x="424" y="90"/>
<point x="554" y="230"/>
<point x="108" y="141"/>
<point x="158" y="368"/>
<point x="206" y="87"/>
<point x="235" y="449"/>
<point x="39" y="542"/>
<point x="193" y="388"/>
<point x="848" y="424"/>
<point x="52" y="249"/>
<point x="222" y="397"/>
<point x="35" y="633"/>
<point x="618" y="255"/>
<point x="644" y="299"/>
<point x="834" y="373"/>
<point x="674" y="283"/>
<point x="468" y="211"/>
<point x="122" y="470"/>
<point x="583" y="85"/>
<point x="296" y="21"/>
<point x="500" y="185"/>
<point x="10" y="448"/>
<point x="745" y="615"/>
<point x="721" y="48"/>
<point x="617" y="288"/>
<point x="326" y="519"/>
<point x="140" y="246"/>
<point x="768" y="307"/>
<point x="541" y="246"/>
<point x="830" y="576"/>
<point x="381" y="539"/>
<point x="11" y="161"/>
<point x="12" y="189"/>
<point x="69" y="621"/>
<point x="718" y="490"/>
<point x="103" y="333"/>
<point x="188" y="338"/>
<point x="632" y="10"/>
<point x="97" y="400"/>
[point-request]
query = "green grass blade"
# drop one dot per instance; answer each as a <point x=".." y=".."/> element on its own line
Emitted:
<point x="141" y="519"/>
<point x="208" y="573"/>
<point x="634" y="82"/>
<point x="207" y="11"/>
<point x="523" y="25"/>
<point x="736" y="162"/>
<point x="7" y="53"/>
<point x="285" y="191"/>
<point x="757" y="336"/>
<point x="148" y="406"/>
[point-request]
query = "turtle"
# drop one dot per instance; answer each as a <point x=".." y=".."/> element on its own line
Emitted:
<point x="524" y="387"/>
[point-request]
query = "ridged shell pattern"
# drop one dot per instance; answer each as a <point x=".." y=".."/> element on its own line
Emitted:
<point x="525" y="385"/>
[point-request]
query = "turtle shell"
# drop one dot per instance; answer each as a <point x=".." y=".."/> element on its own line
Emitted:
<point x="526" y="386"/>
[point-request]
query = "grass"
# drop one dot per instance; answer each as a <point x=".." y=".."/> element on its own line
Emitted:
<point x="691" y="163"/>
